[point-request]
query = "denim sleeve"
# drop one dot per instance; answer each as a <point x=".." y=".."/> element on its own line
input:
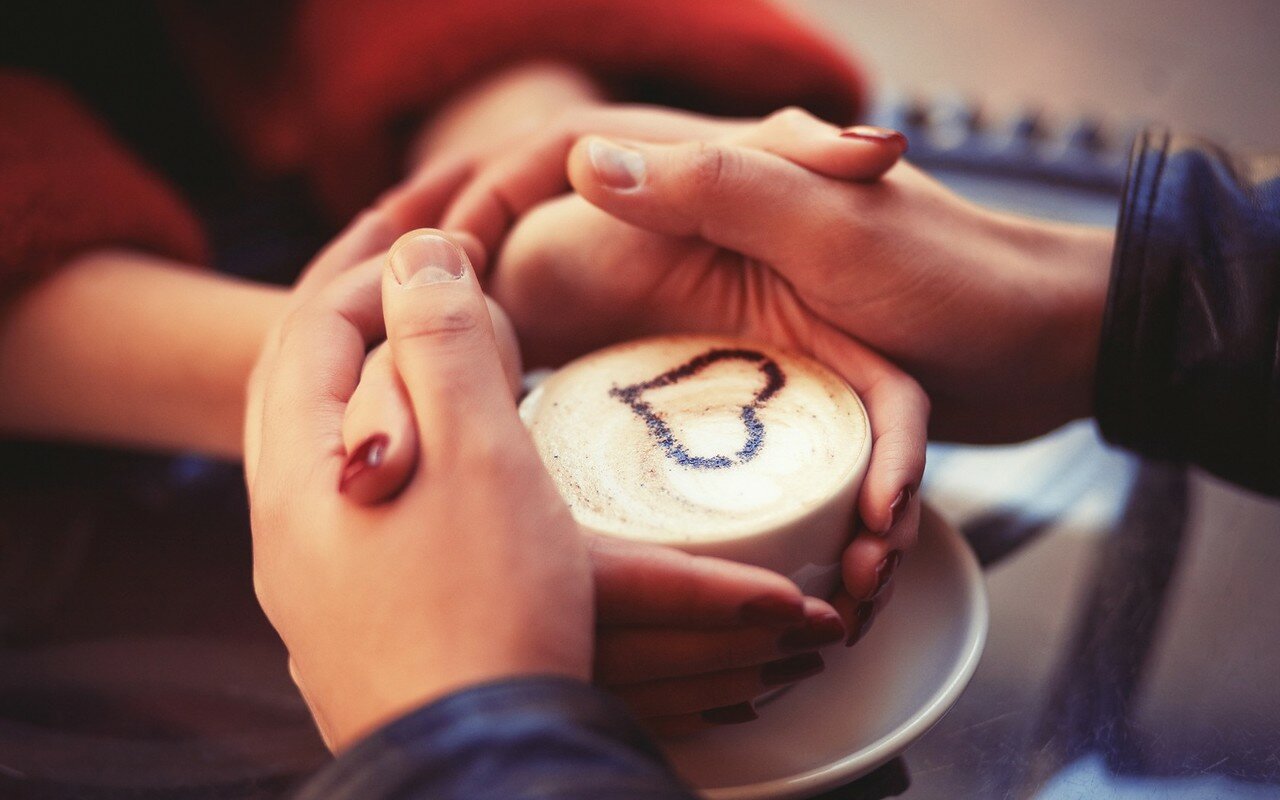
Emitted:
<point x="512" y="740"/>
<point x="1189" y="367"/>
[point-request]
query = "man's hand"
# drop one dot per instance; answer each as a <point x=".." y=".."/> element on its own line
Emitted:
<point x="996" y="315"/>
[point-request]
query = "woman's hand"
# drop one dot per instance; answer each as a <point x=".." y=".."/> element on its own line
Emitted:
<point x="478" y="571"/>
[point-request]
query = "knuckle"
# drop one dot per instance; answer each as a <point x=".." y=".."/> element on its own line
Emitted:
<point x="487" y="449"/>
<point x="713" y="168"/>
<point x="922" y="398"/>
<point x="442" y="322"/>
<point x="789" y="118"/>
<point x="489" y="452"/>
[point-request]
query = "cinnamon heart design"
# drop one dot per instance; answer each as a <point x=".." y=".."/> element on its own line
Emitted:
<point x="661" y="432"/>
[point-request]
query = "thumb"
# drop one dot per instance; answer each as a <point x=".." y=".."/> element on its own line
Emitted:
<point x="442" y="342"/>
<point x="379" y="423"/>
<point x="743" y="199"/>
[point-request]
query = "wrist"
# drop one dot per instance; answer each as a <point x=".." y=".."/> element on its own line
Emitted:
<point x="243" y="315"/>
<point x="1074" y="273"/>
<point x="127" y="348"/>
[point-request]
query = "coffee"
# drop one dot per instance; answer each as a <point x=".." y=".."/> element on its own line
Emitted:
<point x="713" y="445"/>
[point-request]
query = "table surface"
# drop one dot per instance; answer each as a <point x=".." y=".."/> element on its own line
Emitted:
<point x="1135" y="608"/>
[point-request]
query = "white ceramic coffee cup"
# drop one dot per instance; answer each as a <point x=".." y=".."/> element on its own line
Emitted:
<point x="630" y="467"/>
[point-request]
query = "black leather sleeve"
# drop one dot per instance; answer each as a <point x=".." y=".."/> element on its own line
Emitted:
<point x="521" y="739"/>
<point x="1189" y="367"/>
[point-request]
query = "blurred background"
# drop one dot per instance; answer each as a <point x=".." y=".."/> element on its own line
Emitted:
<point x="1209" y="67"/>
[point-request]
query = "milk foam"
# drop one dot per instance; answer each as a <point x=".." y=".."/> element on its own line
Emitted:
<point x="695" y="438"/>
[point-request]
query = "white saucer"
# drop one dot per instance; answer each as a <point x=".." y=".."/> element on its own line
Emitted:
<point x="872" y="701"/>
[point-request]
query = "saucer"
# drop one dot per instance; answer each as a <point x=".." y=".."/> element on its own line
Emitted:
<point x="872" y="701"/>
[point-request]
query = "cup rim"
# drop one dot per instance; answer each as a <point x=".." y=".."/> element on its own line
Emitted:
<point x="849" y="483"/>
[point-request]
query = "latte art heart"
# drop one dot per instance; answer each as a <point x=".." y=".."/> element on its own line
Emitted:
<point x="633" y="396"/>
<point x="689" y="439"/>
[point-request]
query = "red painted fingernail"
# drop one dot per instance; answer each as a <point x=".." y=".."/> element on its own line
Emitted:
<point x="884" y="572"/>
<point x="816" y="633"/>
<point x="899" y="506"/>
<point x="368" y="456"/>
<point x="862" y="616"/>
<point x="731" y="715"/>
<point x="790" y="670"/>
<point x="772" y="610"/>
<point x="873" y="133"/>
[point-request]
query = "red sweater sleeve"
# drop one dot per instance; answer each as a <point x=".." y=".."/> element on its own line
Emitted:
<point x="357" y="72"/>
<point x="66" y="185"/>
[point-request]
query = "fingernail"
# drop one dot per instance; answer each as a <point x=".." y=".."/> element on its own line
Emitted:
<point x="617" y="167"/>
<point x="899" y="507"/>
<point x="884" y="572"/>
<point x="368" y="456"/>
<point x="790" y="670"/>
<point x="817" y="633"/>
<point x="423" y="258"/>
<point x="771" y="610"/>
<point x="731" y="715"/>
<point x="873" y="133"/>
<point x="862" y="616"/>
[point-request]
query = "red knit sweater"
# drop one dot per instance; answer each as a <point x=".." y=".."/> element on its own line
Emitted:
<point x="325" y="95"/>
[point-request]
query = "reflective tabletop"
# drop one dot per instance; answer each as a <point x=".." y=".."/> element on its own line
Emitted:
<point x="1134" y="635"/>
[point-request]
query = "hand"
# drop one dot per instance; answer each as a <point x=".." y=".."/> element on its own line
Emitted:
<point x="997" y="316"/>
<point x="677" y="635"/>
<point x="471" y="178"/>
<point x="574" y="279"/>
<point x="478" y="571"/>
<point x="501" y="111"/>
<point x="469" y="140"/>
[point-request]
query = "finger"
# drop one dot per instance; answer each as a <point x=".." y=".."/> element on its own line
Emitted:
<point x="378" y="433"/>
<point x="898" y="411"/>
<point x="650" y="585"/>
<point x="634" y="655"/>
<point x="859" y="615"/>
<point x="420" y="201"/>
<point x="368" y="235"/>
<point x="735" y="197"/>
<point x="504" y="191"/>
<point x="871" y="560"/>
<point x="691" y="695"/>
<point x="319" y="354"/>
<point x="860" y="153"/>
<point x="504" y="332"/>
<point x="688" y="724"/>
<point x="443" y="343"/>
<point x="379" y="430"/>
